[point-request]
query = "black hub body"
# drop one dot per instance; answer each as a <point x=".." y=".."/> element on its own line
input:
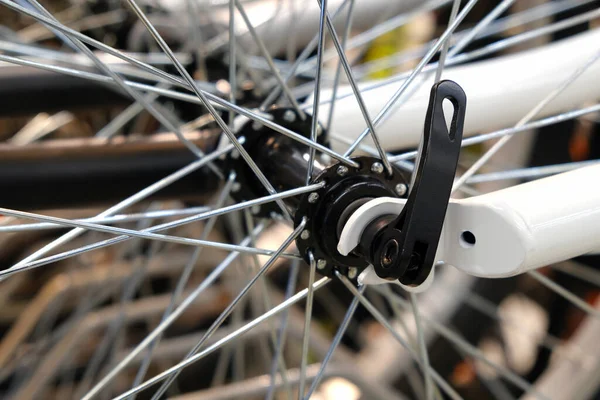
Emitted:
<point x="326" y="211"/>
<point x="281" y="159"/>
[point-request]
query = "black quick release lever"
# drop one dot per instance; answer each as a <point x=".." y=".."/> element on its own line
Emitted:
<point x="403" y="247"/>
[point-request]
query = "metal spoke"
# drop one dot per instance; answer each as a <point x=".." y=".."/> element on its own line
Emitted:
<point x="230" y="135"/>
<point x="224" y="341"/>
<point x="355" y="90"/>
<point x="445" y="386"/>
<point x="281" y="335"/>
<point x="29" y="261"/>
<point x="422" y="346"/>
<point x="219" y="321"/>
<point x="233" y="86"/>
<point x="380" y="29"/>
<point x="446" y="46"/>
<point x="440" y="42"/>
<point x="334" y="344"/>
<point x="224" y="210"/>
<point x="555" y="287"/>
<point x="92" y="42"/>
<point x="269" y="59"/>
<point x="292" y="71"/>
<point x="131" y="92"/>
<point x="511" y="131"/>
<point x="183" y="279"/>
<point x="476" y="353"/>
<point x="119" y="218"/>
<point x="156" y="332"/>
<point x="528" y="117"/>
<point x="115" y="327"/>
<point x="338" y="68"/>
<point x="307" y="318"/>
<point x="130" y="233"/>
<point x="579" y="270"/>
<point x="412" y="375"/>
<point x="277" y="336"/>
<point x="484" y="28"/>
<point x="255" y="116"/>
<point x="314" y="126"/>
<point x="530" y="172"/>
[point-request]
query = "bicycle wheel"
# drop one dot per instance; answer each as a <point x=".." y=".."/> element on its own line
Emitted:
<point x="238" y="141"/>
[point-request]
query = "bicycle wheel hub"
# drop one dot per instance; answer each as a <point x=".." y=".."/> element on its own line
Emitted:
<point x="326" y="211"/>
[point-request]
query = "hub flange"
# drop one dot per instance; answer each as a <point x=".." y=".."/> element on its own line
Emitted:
<point x="326" y="211"/>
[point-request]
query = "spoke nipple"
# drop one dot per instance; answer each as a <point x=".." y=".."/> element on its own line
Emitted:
<point x="377" y="168"/>
<point x="352" y="272"/>
<point x="289" y="116"/>
<point x="313" y="197"/>
<point x="236" y="187"/>
<point x="256" y="125"/>
<point x="235" y="154"/>
<point x="305" y="234"/>
<point x="321" y="263"/>
<point x="401" y="189"/>
<point x="342" y="170"/>
<point x="255" y="209"/>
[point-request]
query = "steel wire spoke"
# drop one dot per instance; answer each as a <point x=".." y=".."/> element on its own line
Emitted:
<point x="334" y="344"/>
<point x="317" y="93"/>
<point x="387" y="108"/>
<point x="446" y="45"/>
<point x="355" y="90"/>
<point x="183" y="279"/>
<point x="148" y="233"/>
<point x="269" y="59"/>
<point x="472" y="351"/>
<point x="115" y="219"/>
<point x="218" y="102"/>
<point x="380" y="29"/>
<point x="530" y="172"/>
<point x="92" y="42"/>
<point x="479" y="32"/>
<point x="233" y="86"/>
<point x="528" y="117"/>
<point x="277" y="336"/>
<point x="338" y="68"/>
<point x="511" y="131"/>
<point x="224" y="341"/>
<point x="445" y="386"/>
<point x="162" y="326"/>
<point x="306" y="333"/>
<point x="230" y="135"/>
<point x="281" y="335"/>
<point x="303" y="55"/>
<point x="29" y="261"/>
<point x="422" y="345"/>
<point x="131" y="92"/>
<point x="570" y="296"/>
<point x="225" y="314"/>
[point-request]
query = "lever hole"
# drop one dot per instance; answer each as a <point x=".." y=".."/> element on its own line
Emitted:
<point x="467" y="239"/>
<point x="449" y="115"/>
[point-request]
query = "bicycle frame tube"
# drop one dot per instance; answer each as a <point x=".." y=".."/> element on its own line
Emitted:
<point x="275" y="21"/>
<point x="500" y="92"/>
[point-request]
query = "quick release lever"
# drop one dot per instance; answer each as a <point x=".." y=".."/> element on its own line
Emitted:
<point x="404" y="246"/>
